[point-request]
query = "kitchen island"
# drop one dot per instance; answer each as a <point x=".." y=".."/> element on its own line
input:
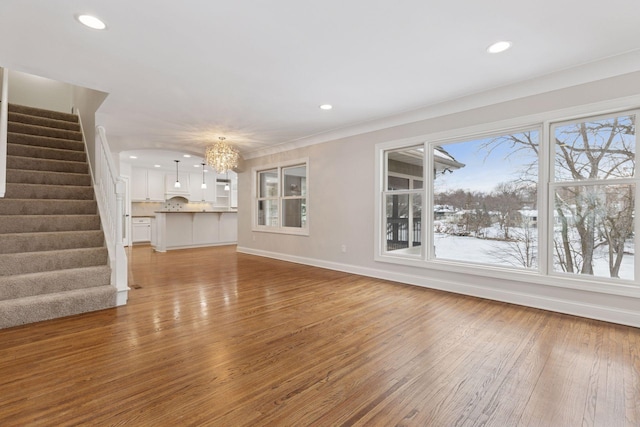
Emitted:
<point x="193" y="229"/>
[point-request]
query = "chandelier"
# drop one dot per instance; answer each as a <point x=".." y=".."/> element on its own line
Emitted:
<point x="221" y="156"/>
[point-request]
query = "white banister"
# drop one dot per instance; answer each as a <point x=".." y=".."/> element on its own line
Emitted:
<point x="110" y="192"/>
<point x="4" y="118"/>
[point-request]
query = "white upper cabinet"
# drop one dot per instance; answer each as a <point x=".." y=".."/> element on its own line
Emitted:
<point x="147" y="185"/>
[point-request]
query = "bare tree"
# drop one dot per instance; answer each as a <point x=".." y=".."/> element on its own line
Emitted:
<point x="591" y="150"/>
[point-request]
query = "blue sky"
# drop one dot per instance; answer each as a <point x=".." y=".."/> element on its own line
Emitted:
<point x="482" y="172"/>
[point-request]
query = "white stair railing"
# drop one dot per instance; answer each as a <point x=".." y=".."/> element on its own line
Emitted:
<point x="110" y="191"/>
<point x="4" y="118"/>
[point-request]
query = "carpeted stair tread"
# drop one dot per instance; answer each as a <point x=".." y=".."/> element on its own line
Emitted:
<point x="42" y="223"/>
<point x="34" y="262"/>
<point x="21" y="176"/>
<point x="44" y="141"/>
<point x="29" y="163"/>
<point x="53" y="258"/>
<point x="40" y="191"/>
<point x="11" y="243"/>
<point x="21" y="150"/>
<point x="33" y="111"/>
<point x="26" y="285"/>
<point x="47" y="207"/>
<point x="51" y="306"/>
<point x="43" y="131"/>
<point x="43" y="121"/>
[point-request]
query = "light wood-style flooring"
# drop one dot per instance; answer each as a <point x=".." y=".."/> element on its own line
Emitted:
<point x="215" y="338"/>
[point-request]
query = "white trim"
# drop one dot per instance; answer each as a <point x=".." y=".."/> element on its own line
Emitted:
<point x="556" y="304"/>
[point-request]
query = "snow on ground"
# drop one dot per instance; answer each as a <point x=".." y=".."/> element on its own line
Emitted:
<point x="474" y="250"/>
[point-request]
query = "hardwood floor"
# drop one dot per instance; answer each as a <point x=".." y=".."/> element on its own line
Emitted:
<point x="215" y="338"/>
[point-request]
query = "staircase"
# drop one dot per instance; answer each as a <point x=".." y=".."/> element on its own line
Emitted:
<point x="53" y="259"/>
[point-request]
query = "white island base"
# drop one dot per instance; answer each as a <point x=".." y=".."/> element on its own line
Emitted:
<point x="193" y="229"/>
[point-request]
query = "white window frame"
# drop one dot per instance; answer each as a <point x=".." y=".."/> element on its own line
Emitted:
<point x="543" y="275"/>
<point x="255" y="192"/>
<point x="553" y="185"/>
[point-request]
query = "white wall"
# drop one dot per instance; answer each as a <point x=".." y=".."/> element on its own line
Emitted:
<point x="342" y="208"/>
<point x="87" y="101"/>
<point x="39" y="92"/>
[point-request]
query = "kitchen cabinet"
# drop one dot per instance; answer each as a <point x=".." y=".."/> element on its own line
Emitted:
<point x="147" y="185"/>
<point x="193" y="229"/>
<point x="199" y="194"/>
<point x="141" y="229"/>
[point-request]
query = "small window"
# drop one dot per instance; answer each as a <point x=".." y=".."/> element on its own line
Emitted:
<point x="281" y="199"/>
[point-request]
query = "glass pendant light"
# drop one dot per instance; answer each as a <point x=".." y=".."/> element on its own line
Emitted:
<point x="204" y="184"/>
<point x="177" y="184"/>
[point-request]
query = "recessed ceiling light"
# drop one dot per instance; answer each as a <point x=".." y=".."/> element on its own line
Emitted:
<point x="133" y="157"/>
<point x="156" y="166"/>
<point x="326" y="107"/>
<point x="92" y="22"/>
<point x="500" y="46"/>
<point x="196" y="166"/>
<point x="186" y="155"/>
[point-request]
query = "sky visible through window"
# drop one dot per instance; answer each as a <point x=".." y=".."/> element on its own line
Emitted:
<point x="483" y="168"/>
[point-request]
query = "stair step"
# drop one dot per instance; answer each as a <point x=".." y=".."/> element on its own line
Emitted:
<point x="43" y="121"/>
<point x="26" y="285"/>
<point x="34" y="262"/>
<point x="44" y="141"/>
<point x="19" y="176"/>
<point x="32" y="111"/>
<point x="43" y="131"/>
<point x="51" y="306"/>
<point x="47" y="207"/>
<point x="10" y="224"/>
<point x="20" y="150"/>
<point x="39" y="191"/>
<point x="28" y="163"/>
<point x="13" y="243"/>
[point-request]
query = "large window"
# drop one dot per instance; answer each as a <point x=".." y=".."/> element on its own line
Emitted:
<point x="593" y="189"/>
<point x="281" y="199"/>
<point x="560" y="202"/>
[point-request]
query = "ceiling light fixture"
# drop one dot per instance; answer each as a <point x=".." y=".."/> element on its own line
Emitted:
<point x="222" y="156"/>
<point x="92" y="22"/>
<point x="500" y="46"/>
<point x="177" y="184"/>
<point x="326" y="107"/>
<point x="204" y="184"/>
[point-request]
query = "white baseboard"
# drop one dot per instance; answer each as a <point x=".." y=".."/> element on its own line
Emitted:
<point x="592" y="311"/>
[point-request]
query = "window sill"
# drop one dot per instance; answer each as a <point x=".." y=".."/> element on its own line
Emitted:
<point x="567" y="281"/>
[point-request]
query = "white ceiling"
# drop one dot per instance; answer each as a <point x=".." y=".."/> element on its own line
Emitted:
<point x="181" y="74"/>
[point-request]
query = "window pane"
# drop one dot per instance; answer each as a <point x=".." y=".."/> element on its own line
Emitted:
<point x="407" y="162"/>
<point x="294" y="213"/>
<point x="295" y="181"/>
<point x="268" y="181"/>
<point x="593" y="230"/>
<point x="398" y="183"/>
<point x="268" y="213"/>
<point x="485" y="200"/>
<point x="403" y="226"/>
<point x="598" y="149"/>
